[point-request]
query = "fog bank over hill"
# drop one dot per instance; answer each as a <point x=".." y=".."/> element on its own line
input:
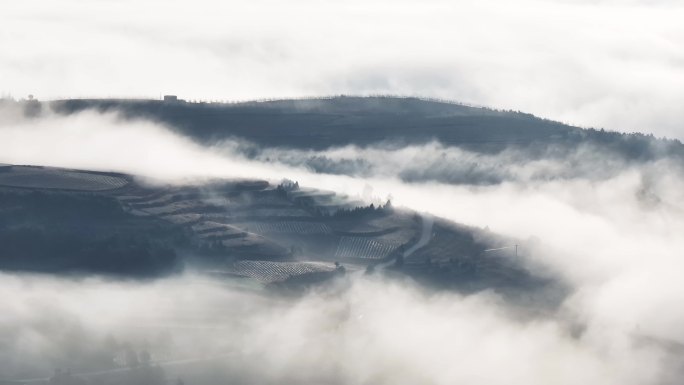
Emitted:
<point x="320" y="123"/>
<point x="607" y="223"/>
<point x="355" y="192"/>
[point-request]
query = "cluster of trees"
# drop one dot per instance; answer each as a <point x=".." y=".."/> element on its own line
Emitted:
<point x="287" y="186"/>
<point x="213" y="248"/>
<point x="364" y="210"/>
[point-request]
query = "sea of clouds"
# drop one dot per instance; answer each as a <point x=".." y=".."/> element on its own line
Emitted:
<point x="613" y="234"/>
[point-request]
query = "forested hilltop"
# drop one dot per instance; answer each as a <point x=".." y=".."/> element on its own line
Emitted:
<point x="321" y="123"/>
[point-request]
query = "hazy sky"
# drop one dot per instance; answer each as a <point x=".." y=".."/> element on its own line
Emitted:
<point x="613" y="64"/>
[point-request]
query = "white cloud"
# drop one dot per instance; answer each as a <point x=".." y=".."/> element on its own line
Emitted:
<point x="371" y="331"/>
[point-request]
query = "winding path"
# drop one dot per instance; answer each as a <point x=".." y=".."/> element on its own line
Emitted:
<point x="425" y="236"/>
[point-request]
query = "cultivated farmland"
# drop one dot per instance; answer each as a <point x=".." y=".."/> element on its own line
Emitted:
<point x="288" y="227"/>
<point x="267" y="272"/>
<point x="362" y="247"/>
<point x="48" y="178"/>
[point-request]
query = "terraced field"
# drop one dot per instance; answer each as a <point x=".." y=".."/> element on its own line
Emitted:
<point x="176" y="207"/>
<point x="213" y="230"/>
<point x="271" y="212"/>
<point x="47" y="178"/>
<point x="181" y="219"/>
<point x="268" y="272"/>
<point x="289" y="227"/>
<point x="210" y="227"/>
<point x="363" y="247"/>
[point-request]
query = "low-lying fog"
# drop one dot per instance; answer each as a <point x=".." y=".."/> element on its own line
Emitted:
<point x="367" y="332"/>
<point x="612" y="230"/>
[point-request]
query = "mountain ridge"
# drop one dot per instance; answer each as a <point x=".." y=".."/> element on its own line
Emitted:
<point x="319" y="123"/>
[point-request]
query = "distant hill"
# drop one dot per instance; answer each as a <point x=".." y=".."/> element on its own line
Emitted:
<point x="364" y="121"/>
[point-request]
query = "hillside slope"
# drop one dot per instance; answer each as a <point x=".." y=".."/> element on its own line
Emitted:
<point x="364" y="121"/>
